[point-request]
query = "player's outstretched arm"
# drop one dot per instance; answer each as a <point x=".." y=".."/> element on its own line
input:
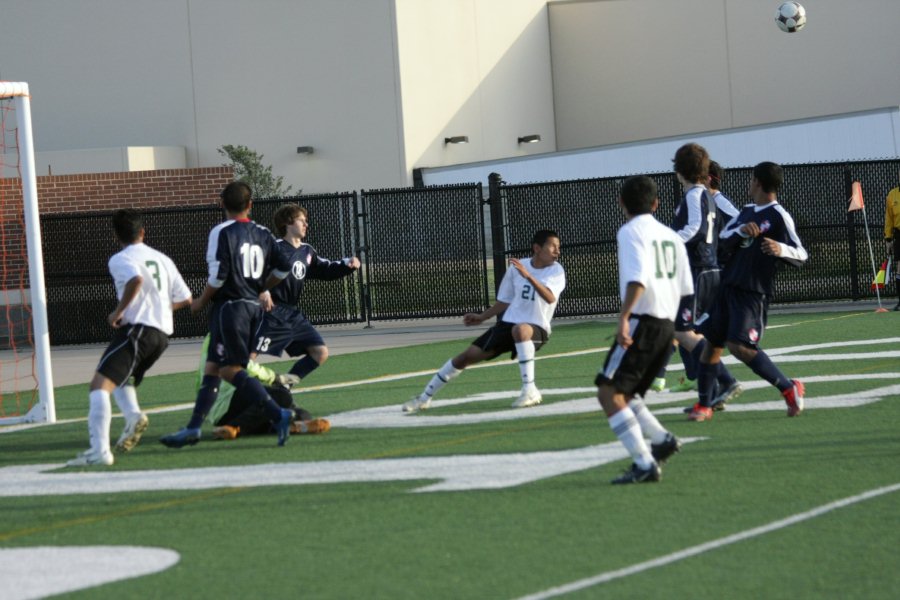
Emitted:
<point x="543" y="291"/>
<point x="470" y="319"/>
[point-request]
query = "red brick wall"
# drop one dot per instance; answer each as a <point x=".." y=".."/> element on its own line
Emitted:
<point x="98" y="192"/>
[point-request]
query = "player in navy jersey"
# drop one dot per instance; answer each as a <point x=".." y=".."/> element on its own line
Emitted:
<point x="285" y="327"/>
<point x="696" y="224"/>
<point x="725" y="207"/>
<point x="654" y="275"/>
<point x="240" y="253"/>
<point x="762" y="236"/>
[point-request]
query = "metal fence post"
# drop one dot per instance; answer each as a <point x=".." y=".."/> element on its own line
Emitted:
<point x="498" y="228"/>
<point x="851" y="236"/>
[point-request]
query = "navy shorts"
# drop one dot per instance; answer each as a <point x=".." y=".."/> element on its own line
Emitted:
<point x="737" y="316"/>
<point x="286" y="329"/>
<point x="499" y="339"/>
<point x="233" y="326"/>
<point x="631" y="370"/>
<point x="694" y="309"/>
<point x="133" y="350"/>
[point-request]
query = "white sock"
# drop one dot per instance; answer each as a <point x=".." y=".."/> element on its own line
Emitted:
<point x="99" y="417"/>
<point x="525" y="354"/>
<point x="649" y="424"/>
<point x="626" y="427"/>
<point x="126" y="399"/>
<point x="441" y="378"/>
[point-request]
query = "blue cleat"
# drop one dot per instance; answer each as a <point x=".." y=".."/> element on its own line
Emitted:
<point x="180" y="439"/>
<point x="283" y="427"/>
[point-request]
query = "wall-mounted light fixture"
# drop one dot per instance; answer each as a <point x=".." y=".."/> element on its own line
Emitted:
<point x="304" y="149"/>
<point x="530" y="139"/>
<point x="457" y="139"/>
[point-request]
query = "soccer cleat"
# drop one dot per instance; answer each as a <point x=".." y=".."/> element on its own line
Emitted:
<point x="528" y="397"/>
<point x="793" y="396"/>
<point x="420" y="402"/>
<point x="131" y="435"/>
<point x="283" y="427"/>
<point x="684" y="385"/>
<point x="658" y="385"/>
<point x="287" y="380"/>
<point x="638" y="475"/>
<point x="90" y="458"/>
<point x="181" y="438"/>
<point x="226" y="432"/>
<point x="734" y="390"/>
<point x="700" y="413"/>
<point x="311" y="426"/>
<point x="664" y="450"/>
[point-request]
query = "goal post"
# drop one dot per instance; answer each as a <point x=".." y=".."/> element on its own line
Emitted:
<point x="44" y="410"/>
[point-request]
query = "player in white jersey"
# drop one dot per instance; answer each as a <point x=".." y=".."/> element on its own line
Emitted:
<point x="149" y="287"/>
<point x="526" y="301"/>
<point x="654" y="276"/>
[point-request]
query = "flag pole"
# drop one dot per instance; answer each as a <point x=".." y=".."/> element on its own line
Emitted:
<point x="872" y="258"/>
<point x="857" y="194"/>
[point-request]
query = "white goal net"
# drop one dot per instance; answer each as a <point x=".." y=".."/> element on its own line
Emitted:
<point x="26" y="384"/>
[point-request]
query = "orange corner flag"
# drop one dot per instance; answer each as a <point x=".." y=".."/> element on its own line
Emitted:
<point x="878" y="284"/>
<point x="856" y="197"/>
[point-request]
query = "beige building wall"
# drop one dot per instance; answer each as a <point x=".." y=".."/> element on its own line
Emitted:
<point x="277" y="74"/>
<point x="627" y="70"/>
<point x="474" y="68"/>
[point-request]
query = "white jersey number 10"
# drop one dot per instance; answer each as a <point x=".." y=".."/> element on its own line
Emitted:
<point x="665" y="259"/>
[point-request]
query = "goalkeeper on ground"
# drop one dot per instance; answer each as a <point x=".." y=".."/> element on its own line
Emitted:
<point x="234" y="415"/>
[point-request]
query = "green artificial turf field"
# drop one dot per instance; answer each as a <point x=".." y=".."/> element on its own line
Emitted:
<point x="473" y="499"/>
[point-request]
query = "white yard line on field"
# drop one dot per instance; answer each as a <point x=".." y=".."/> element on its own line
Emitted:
<point x="708" y="546"/>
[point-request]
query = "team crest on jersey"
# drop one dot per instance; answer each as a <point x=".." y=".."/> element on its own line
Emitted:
<point x="686" y="315"/>
<point x="753" y="334"/>
<point x="765" y="226"/>
<point x="298" y="270"/>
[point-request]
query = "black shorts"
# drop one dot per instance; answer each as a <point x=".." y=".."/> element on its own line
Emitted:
<point x="631" y="371"/>
<point x="286" y="328"/>
<point x="132" y="351"/>
<point x="737" y="316"/>
<point x="499" y="339"/>
<point x="694" y="309"/>
<point x="233" y="327"/>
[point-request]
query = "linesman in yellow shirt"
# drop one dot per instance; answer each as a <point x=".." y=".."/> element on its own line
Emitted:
<point x="892" y="236"/>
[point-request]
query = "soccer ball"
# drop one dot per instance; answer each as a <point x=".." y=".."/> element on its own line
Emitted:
<point x="790" y="17"/>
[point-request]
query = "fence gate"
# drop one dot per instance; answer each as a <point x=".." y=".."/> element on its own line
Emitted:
<point x="424" y="252"/>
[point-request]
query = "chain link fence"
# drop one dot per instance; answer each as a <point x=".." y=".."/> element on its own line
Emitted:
<point x="441" y="251"/>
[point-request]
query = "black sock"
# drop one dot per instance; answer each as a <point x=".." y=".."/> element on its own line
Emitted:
<point x="256" y="393"/>
<point x="206" y="397"/>
<point x="304" y="367"/>
<point x="763" y="366"/>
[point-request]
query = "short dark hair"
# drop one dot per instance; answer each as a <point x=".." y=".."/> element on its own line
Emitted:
<point x="285" y="215"/>
<point x="692" y="162"/>
<point x="638" y="194"/>
<point x="716" y="175"/>
<point x="236" y="196"/>
<point x="127" y="222"/>
<point x="769" y="175"/>
<point x="542" y="235"/>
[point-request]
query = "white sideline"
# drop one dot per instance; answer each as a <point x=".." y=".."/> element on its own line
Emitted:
<point x="707" y="546"/>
